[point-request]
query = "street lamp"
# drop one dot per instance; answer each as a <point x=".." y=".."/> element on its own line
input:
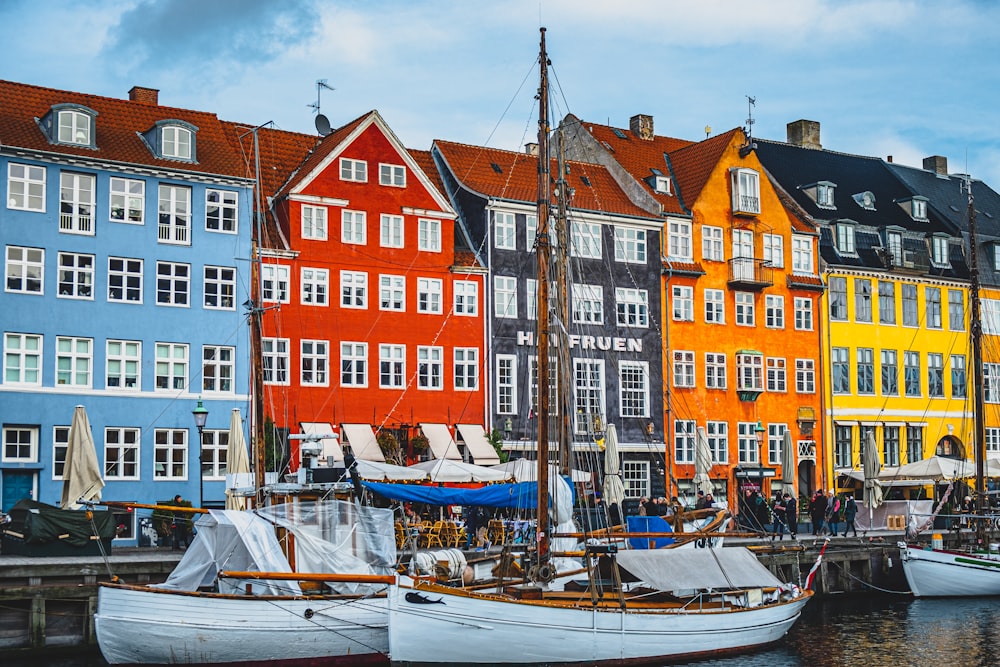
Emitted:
<point x="759" y="431"/>
<point x="200" y="414"/>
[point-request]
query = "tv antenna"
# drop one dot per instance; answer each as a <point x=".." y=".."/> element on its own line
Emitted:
<point x="322" y="122"/>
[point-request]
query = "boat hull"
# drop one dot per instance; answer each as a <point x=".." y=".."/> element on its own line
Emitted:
<point x="942" y="573"/>
<point x="143" y="625"/>
<point x="488" y="630"/>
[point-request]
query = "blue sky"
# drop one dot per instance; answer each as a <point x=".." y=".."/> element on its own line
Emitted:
<point x="905" y="78"/>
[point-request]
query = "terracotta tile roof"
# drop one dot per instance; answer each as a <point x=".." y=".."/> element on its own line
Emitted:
<point x="683" y="268"/>
<point x="492" y="172"/>
<point x="693" y="164"/>
<point x="281" y="152"/>
<point x="426" y="162"/>
<point x="806" y="282"/>
<point x="466" y="258"/>
<point x="118" y="125"/>
<point x="327" y="145"/>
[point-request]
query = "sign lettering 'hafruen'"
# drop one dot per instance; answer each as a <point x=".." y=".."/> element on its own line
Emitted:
<point x="605" y="343"/>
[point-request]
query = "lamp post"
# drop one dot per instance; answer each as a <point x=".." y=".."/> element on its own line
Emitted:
<point x="759" y="431"/>
<point x="200" y="414"/>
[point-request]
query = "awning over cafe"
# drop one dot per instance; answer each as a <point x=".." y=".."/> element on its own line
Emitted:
<point x="361" y="438"/>
<point x="330" y="445"/>
<point x="442" y="444"/>
<point x="480" y="449"/>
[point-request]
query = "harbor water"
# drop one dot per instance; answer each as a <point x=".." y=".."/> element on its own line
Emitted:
<point x="848" y="630"/>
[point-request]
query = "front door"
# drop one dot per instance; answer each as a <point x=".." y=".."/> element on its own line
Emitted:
<point x="17" y="484"/>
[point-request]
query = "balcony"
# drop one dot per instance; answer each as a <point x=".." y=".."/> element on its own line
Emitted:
<point x="749" y="273"/>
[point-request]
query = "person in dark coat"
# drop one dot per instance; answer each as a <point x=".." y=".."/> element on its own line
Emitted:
<point x="778" y="510"/>
<point x="817" y="511"/>
<point x="850" y="512"/>
<point x="832" y="512"/>
<point x="791" y="514"/>
<point x="180" y="529"/>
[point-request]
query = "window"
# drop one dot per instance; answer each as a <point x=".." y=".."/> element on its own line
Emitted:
<point x="74" y="361"/>
<point x="314" y="224"/>
<point x="171" y="366"/>
<point x="127" y="200"/>
<point x="865" y="200"/>
<point x="802" y="254"/>
<point x="588" y="377"/>
<point x="993" y="441"/>
<point x="221" y="208"/>
<point x="60" y="442"/>
<point x="630" y="245"/>
<point x="935" y="375"/>
<point x="506" y="384"/>
<point x="958" y="379"/>
<point x="173" y="284"/>
<point x="353" y="170"/>
<point x="843" y="436"/>
<point x="531" y="231"/>
<point x="715" y="370"/>
<point x="776" y="374"/>
<point x="711" y="244"/>
<point x="956" y="310"/>
<point x="805" y="376"/>
<point x="890" y="445"/>
<point x="430" y="367"/>
<point x="775" y="311"/>
<point x="715" y="312"/>
<point x="354" y="364"/>
<point x="749" y="372"/>
<point x="914" y="443"/>
<point x="503" y="231"/>
<point x="840" y="359"/>
<point x="275" y="357"/>
<point x="661" y="184"/>
<point x="391" y="231"/>
<point x="588" y="304"/>
<point x="25" y="187"/>
<point x="894" y="244"/>
<point x="845" y="239"/>
<point x="683" y="368"/>
<point x="20" y="444"/>
<point x="353" y="289"/>
<point x="911" y="373"/>
<point x="121" y="453"/>
<point x="774" y="250"/>
<point x="919" y="209"/>
<point x="635" y="475"/>
<point x="939" y="251"/>
<point x="429" y="295"/>
<point x="679" y="240"/>
<point x="354" y="227"/>
<point x="170" y="453"/>
<point x="315" y="286"/>
<point x="989" y="310"/>
<point x="683" y="303"/>
<point x="718" y="441"/>
<point x="775" y="442"/>
<point x="274" y="283"/>
<point x="932" y="301"/>
<point x="74" y="127"/>
<point x="991" y="383"/>
<point x="886" y="302"/>
<point x="22" y="359"/>
<point x="176" y="142"/>
<point x="175" y="214"/>
<point x="466" y="297"/>
<point x="890" y="373"/>
<point x="429" y="235"/>
<point x="392" y="366"/>
<point x="76" y="203"/>
<point x="124" y="280"/>
<point x="746" y="442"/>
<point x="504" y="296"/>
<point x="392" y="174"/>
<point x="803" y="313"/>
<point x="214" y="446"/>
<point x="553" y="384"/>
<point x="585" y="240"/>
<point x="123" y="365"/>
<point x="633" y="384"/>
<point x="684" y="438"/>
<point x="632" y="307"/>
<point x="746" y="191"/>
<point x="909" y="295"/>
<point x="217" y="368"/>
<point x="314" y="362"/>
<point x="220" y="288"/>
<point x="392" y="293"/>
<point x="824" y="195"/>
<point x="865" y="357"/>
<point x="862" y="300"/>
<point x="744" y="309"/>
<point x="466" y="368"/>
<point x="838" y="298"/>
<point x="25" y="270"/>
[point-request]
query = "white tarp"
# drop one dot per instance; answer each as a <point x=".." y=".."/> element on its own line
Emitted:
<point x="442" y="444"/>
<point x="374" y="471"/>
<point x="480" y="449"/>
<point x="237" y="463"/>
<point x="362" y="440"/>
<point x="525" y="470"/>
<point x="697" y="569"/>
<point x="330" y="445"/>
<point x="446" y="470"/>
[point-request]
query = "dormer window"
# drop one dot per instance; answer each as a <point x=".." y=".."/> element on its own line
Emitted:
<point x="893" y="242"/>
<point x="845" y="238"/>
<point x="746" y="191"/>
<point x="659" y="182"/>
<point x="176" y="142"/>
<point x="865" y="200"/>
<point x="821" y="192"/>
<point x="939" y="251"/>
<point x="173" y="140"/>
<point x="74" y="127"/>
<point x="916" y="207"/>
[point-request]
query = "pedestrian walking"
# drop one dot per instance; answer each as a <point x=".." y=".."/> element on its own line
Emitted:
<point x="778" y="512"/>
<point x="817" y="511"/>
<point x="791" y="514"/>
<point x="832" y="512"/>
<point x="850" y="512"/>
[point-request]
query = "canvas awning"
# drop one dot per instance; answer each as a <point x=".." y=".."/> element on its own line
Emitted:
<point x="447" y="470"/>
<point x="442" y="444"/>
<point x="361" y="438"/>
<point x="330" y="445"/>
<point x="375" y="471"/>
<point x="698" y="569"/>
<point x="480" y="449"/>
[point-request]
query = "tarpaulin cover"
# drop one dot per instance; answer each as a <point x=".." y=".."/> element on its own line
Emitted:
<point x="648" y="524"/>
<point x="680" y="570"/>
<point x="39" y="523"/>
<point x="518" y="494"/>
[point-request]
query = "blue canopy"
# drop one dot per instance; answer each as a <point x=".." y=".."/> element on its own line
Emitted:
<point x="515" y="494"/>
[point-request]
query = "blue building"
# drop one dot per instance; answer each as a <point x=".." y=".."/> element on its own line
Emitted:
<point x="126" y="233"/>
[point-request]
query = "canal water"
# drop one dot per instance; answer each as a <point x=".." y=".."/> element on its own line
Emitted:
<point x="848" y="631"/>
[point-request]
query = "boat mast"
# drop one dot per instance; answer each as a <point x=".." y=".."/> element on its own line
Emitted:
<point x="976" y="335"/>
<point x="563" y="408"/>
<point x="256" y="331"/>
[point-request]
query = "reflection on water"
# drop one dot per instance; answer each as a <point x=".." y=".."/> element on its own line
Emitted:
<point x="838" y="631"/>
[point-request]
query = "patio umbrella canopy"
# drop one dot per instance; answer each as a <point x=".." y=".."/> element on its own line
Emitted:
<point x="788" y="461"/>
<point x="872" y="468"/>
<point x="939" y="468"/>
<point x="237" y="461"/>
<point x="702" y="462"/>
<point x="373" y="471"/>
<point x="525" y="470"/>
<point x="81" y="472"/>
<point x="448" y="470"/>
<point x="614" y="488"/>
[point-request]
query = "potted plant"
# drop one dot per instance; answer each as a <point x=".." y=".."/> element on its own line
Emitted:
<point x="419" y="444"/>
<point x="389" y="446"/>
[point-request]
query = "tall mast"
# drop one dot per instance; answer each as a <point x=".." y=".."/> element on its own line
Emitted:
<point x="564" y="410"/>
<point x="976" y="335"/>
<point x="256" y="332"/>
<point x="543" y="252"/>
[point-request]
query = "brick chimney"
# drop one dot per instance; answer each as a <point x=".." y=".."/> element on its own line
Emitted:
<point x="804" y="133"/>
<point x="936" y="163"/>
<point x="641" y="126"/>
<point x="142" y="95"/>
<point x="531" y="149"/>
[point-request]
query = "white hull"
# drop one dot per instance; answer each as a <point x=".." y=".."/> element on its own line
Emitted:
<point x="940" y="573"/>
<point x="143" y="625"/>
<point x="484" y="630"/>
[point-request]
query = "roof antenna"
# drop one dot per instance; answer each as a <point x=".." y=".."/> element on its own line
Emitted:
<point x="322" y="122"/>
<point x="749" y="146"/>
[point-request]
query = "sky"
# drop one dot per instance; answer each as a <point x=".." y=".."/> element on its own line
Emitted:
<point x="906" y="78"/>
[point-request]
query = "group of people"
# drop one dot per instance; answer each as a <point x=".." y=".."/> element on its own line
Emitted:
<point x="826" y="511"/>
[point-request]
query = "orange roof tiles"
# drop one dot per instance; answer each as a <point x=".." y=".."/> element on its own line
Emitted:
<point x="693" y="164"/>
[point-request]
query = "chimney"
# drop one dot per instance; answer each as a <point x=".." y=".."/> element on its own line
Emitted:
<point x="142" y="95"/>
<point x="531" y="149"/>
<point x="936" y="163"/>
<point x="804" y="133"/>
<point x="641" y="126"/>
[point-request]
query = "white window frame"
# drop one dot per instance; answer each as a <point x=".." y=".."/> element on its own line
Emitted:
<point x="22" y="354"/>
<point x="354" y="227"/>
<point x="218" y="369"/>
<point x="803" y="313"/>
<point x="127" y="201"/>
<point x="588" y="304"/>
<point x="26" y="187"/>
<point x="353" y="170"/>
<point x="122" y="453"/>
<point x="717" y="433"/>
<point x="276" y="359"/>
<point x="391" y="231"/>
<point x="173" y="284"/>
<point x="466" y="293"/>
<point x="219" y="288"/>
<point x="685" y="433"/>
<point x="25" y="270"/>
<point x="222" y="210"/>
<point x="175" y="142"/>
<point x="74" y="362"/>
<point x="174" y="214"/>
<point x="123" y="365"/>
<point x="275" y="281"/>
<point x="746" y="191"/>
<point x="630" y="245"/>
<point x="392" y="292"/>
<point x="588" y="393"/>
<point x="428" y="235"/>
<point x="22" y="450"/>
<point x="77" y="193"/>
<point x="635" y="475"/>
<point x="746" y="442"/>
<point x="713" y="248"/>
<point x="805" y="376"/>
<point x="777" y="374"/>
<point x="392" y="175"/>
<point x="802" y="255"/>
<point x="60" y="443"/>
<point x="633" y="388"/>
<point x="314" y="363"/>
<point x="466" y="362"/>
<point x="845" y="238"/>
<point x="775" y="442"/>
<point x="716" y="371"/>
<point x="170" y="454"/>
<point x="682" y="303"/>
<point x="679" y="240"/>
<point x="774" y="250"/>
<point x="505" y="296"/>
<point x="391" y="366"/>
<point x="585" y="240"/>
<point x="745" y="315"/>
<point x="171" y="366"/>
<point x="353" y="364"/>
<point x="315" y="224"/>
<point x="73" y="127"/>
<point x="506" y="365"/>
<point x="749" y="372"/>
<point x="128" y="280"/>
<point x="774" y="311"/>
<point x="632" y="307"/>
<point x="214" y="448"/>
<point x="430" y="293"/>
<point x="354" y="289"/>
<point x="504" y="231"/>
<point x="683" y="368"/>
<point x="314" y="286"/>
<point x="715" y="306"/>
<point x="430" y="367"/>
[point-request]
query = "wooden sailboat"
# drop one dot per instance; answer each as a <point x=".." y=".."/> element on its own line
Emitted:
<point x="632" y="607"/>
<point x="934" y="572"/>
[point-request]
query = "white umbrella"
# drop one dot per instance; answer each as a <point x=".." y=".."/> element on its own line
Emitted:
<point x="788" y="462"/>
<point x="374" y="471"/>
<point x="81" y="473"/>
<point x="940" y="468"/>
<point x="525" y="470"/>
<point x="702" y="462"/>
<point x="448" y="470"/>
<point x="237" y="461"/>
<point x="614" y="487"/>
<point x="872" y="467"/>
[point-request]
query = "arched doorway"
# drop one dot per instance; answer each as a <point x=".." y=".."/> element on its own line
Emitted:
<point x="950" y="447"/>
<point x="807" y="478"/>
